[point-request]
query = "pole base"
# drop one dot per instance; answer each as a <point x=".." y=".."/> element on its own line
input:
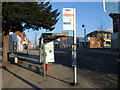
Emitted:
<point x="74" y="84"/>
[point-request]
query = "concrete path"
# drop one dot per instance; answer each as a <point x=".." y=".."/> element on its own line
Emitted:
<point x="29" y="74"/>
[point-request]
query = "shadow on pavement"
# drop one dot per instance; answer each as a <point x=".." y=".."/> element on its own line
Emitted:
<point x="29" y="61"/>
<point x="25" y="81"/>
<point x="29" y="55"/>
<point x="35" y="69"/>
<point x="59" y="79"/>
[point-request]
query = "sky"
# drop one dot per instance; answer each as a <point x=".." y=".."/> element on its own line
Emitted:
<point x="89" y="13"/>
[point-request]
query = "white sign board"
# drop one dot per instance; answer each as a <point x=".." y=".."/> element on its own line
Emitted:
<point x="68" y="18"/>
<point x="49" y="51"/>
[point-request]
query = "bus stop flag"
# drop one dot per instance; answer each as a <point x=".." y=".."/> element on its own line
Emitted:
<point x="68" y="18"/>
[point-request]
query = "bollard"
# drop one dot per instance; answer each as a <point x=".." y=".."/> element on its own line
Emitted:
<point x="47" y="68"/>
<point x="16" y="59"/>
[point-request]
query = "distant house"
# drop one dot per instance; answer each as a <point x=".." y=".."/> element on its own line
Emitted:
<point x="66" y="42"/>
<point x="98" y="37"/>
<point x="82" y="41"/>
<point x="17" y="40"/>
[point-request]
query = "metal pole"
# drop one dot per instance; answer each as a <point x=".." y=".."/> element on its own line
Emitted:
<point x="41" y="50"/>
<point x="44" y="60"/>
<point x="27" y="50"/>
<point x="43" y="55"/>
<point x="74" y="50"/>
<point x="15" y="53"/>
<point x="35" y="37"/>
<point x="85" y="36"/>
<point x="75" y="70"/>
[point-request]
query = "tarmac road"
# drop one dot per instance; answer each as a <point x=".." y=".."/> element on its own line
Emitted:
<point x="99" y="69"/>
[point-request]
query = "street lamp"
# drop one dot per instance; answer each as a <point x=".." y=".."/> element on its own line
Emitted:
<point x="35" y="37"/>
<point x="84" y="35"/>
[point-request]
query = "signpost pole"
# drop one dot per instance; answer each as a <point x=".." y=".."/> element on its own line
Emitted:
<point x="15" y="53"/>
<point x="74" y="49"/>
<point x="43" y="55"/>
<point x="69" y="23"/>
<point x="44" y="60"/>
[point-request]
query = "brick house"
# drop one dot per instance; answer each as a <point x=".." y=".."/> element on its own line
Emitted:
<point x="99" y="39"/>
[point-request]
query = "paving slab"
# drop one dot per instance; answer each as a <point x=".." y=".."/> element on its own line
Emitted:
<point x="29" y="74"/>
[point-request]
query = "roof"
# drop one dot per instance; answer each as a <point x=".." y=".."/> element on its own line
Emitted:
<point x="48" y="37"/>
<point x="98" y="31"/>
<point x="67" y="37"/>
<point x="20" y="34"/>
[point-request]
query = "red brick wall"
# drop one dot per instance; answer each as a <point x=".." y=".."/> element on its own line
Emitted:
<point x="95" y="42"/>
<point x="65" y="38"/>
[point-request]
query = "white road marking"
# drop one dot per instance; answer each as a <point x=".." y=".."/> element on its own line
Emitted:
<point x="110" y="75"/>
<point x="91" y="79"/>
<point x="109" y="80"/>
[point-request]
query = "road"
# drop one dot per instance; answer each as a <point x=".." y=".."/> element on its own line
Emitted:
<point x="100" y="70"/>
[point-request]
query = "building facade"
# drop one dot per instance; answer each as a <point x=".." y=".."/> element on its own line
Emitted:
<point x="17" y="40"/>
<point x="115" y="37"/>
<point x="99" y="39"/>
<point x="66" y="42"/>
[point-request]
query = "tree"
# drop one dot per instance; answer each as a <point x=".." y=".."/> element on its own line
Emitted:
<point x="18" y="16"/>
<point x="100" y="33"/>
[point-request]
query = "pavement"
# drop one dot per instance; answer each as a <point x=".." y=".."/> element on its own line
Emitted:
<point x="28" y="73"/>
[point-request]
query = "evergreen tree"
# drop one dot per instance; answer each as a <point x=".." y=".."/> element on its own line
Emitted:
<point x="32" y="14"/>
<point x="18" y="16"/>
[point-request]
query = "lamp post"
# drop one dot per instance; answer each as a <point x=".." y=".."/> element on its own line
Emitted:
<point x="84" y="35"/>
<point x="35" y="37"/>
